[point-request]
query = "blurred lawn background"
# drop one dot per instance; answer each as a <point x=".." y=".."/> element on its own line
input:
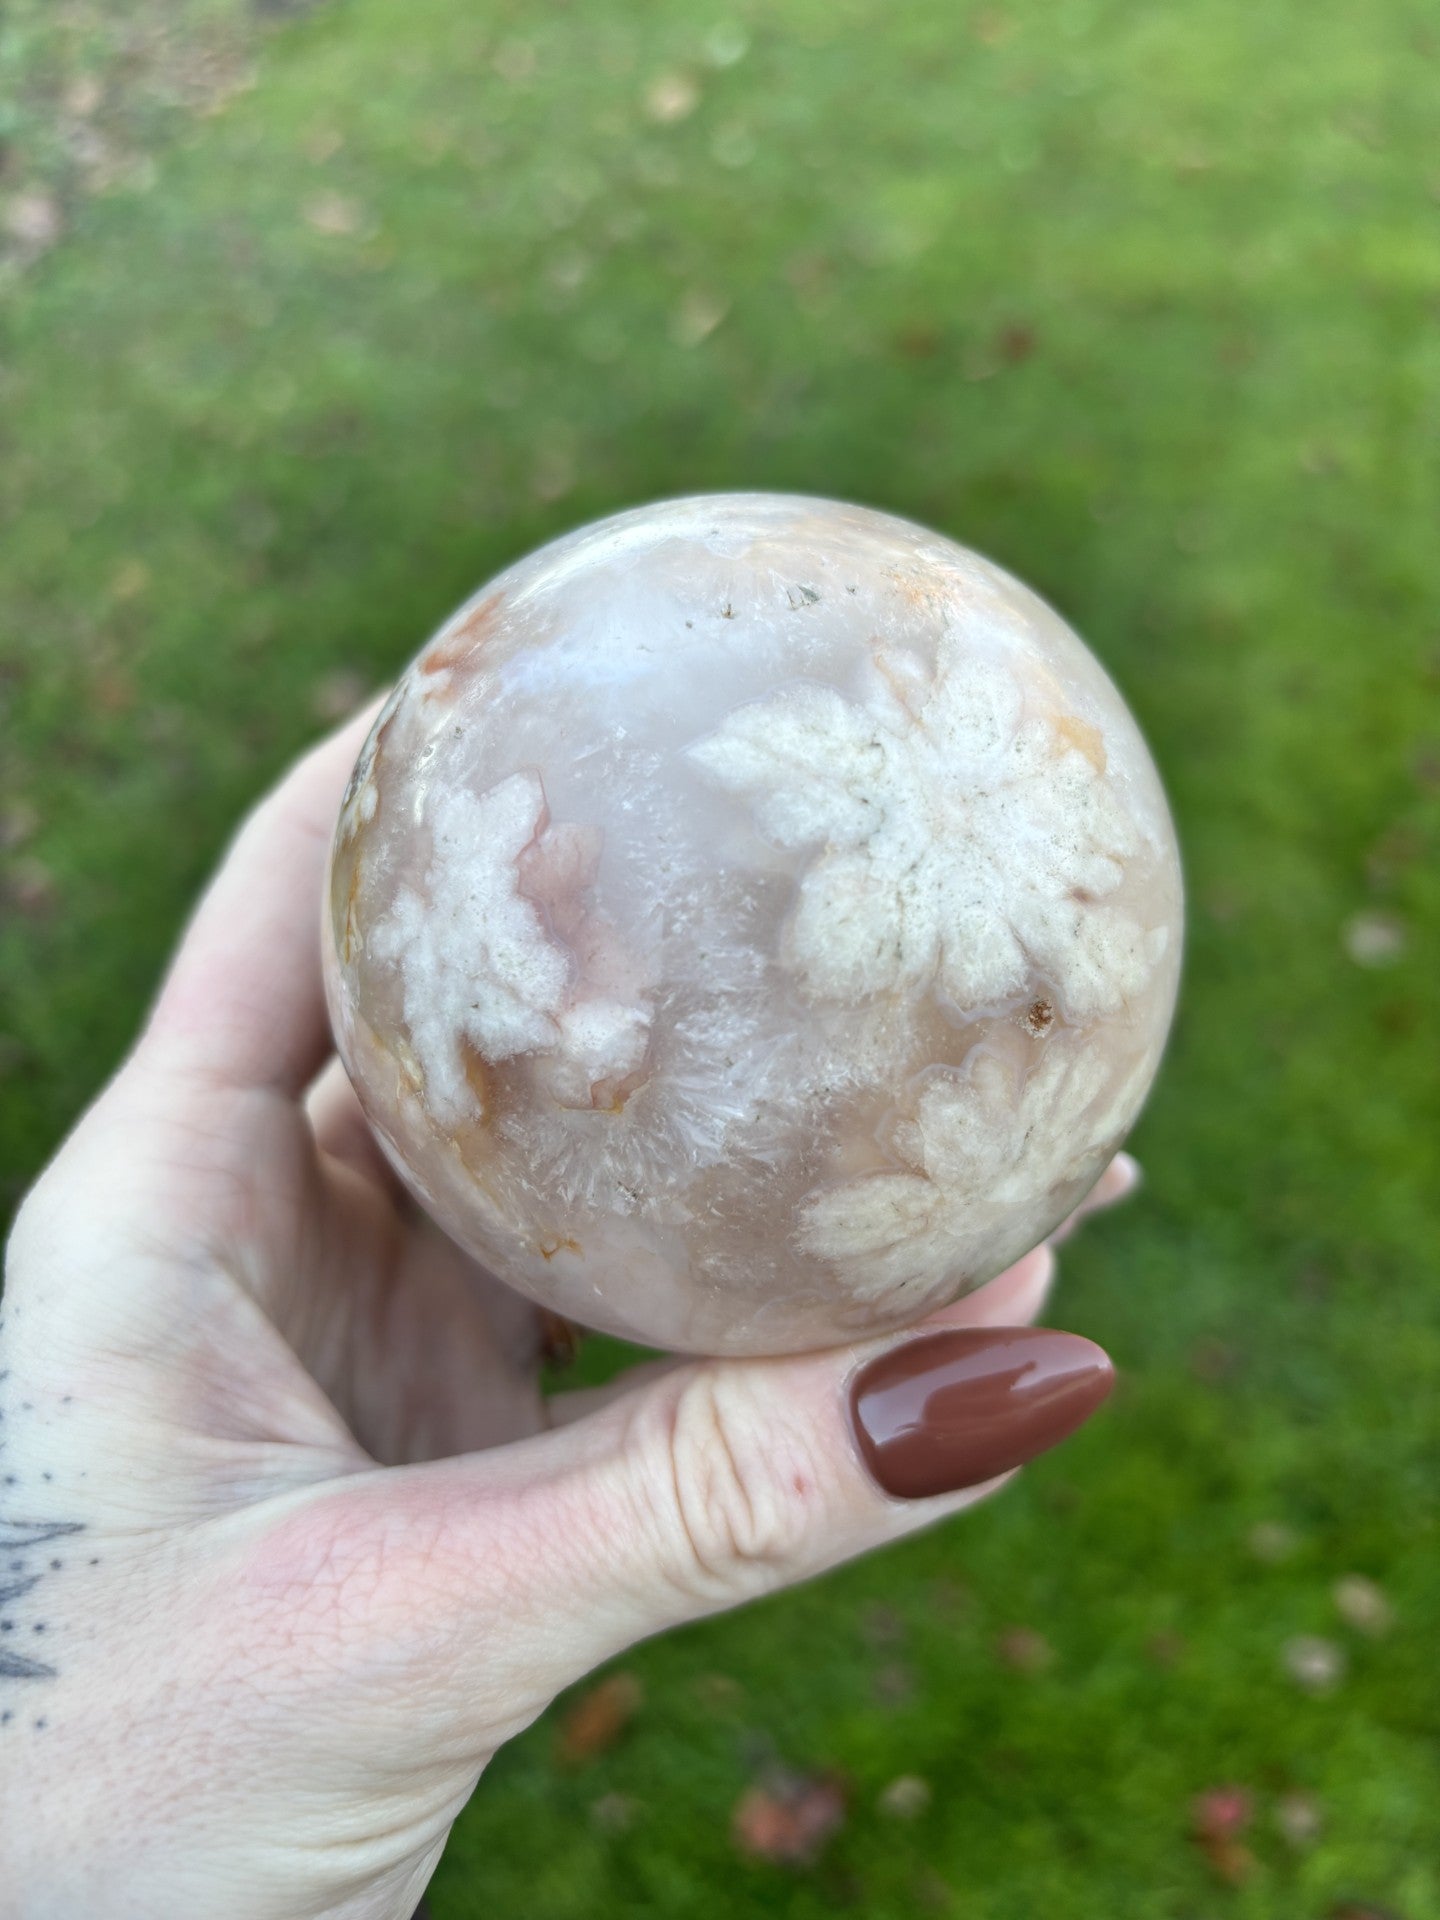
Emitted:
<point x="309" y="323"/>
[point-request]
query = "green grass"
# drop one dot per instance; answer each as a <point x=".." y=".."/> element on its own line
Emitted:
<point x="1140" y="300"/>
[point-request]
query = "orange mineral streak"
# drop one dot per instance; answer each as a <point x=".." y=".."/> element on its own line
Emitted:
<point x="460" y="643"/>
<point x="611" y="1096"/>
<point x="558" y="1243"/>
<point x="1084" y="738"/>
<point x="480" y="1078"/>
<point x="347" y="943"/>
<point x="905" y="691"/>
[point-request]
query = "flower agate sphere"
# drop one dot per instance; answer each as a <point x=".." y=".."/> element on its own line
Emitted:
<point x="753" y="922"/>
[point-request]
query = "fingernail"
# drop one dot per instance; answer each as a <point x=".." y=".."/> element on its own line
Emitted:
<point x="953" y="1409"/>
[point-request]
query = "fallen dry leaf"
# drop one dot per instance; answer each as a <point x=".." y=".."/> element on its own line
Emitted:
<point x="1299" y="1819"/>
<point x="1218" y="1818"/>
<point x="696" y="317"/>
<point x="130" y="578"/>
<point x="598" y="1718"/>
<point x="1362" y="1605"/>
<point x="789" y="1818"/>
<point x="514" y="60"/>
<point x="718" y="1691"/>
<point x="671" y="97"/>
<point x="1024" y="1650"/>
<point x="1272" y="1541"/>
<point x="906" y="1798"/>
<point x="333" y="214"/>
<point x="32" y="218"/>
<point x="1164" y="1647"/>
<point x="893" y="1685"/>
<point x="1223" y="1811"/>
<point x="29" y="886"/>
<point x="614" y="1812"/>
<point x="18" y="821"/>
<point x="726" y="44"/>
<point x="1374" y="939"/>
<point x="1312" y="1663"/>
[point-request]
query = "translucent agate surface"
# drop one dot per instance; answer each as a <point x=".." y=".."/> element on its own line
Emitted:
<point x="753" y="922"/>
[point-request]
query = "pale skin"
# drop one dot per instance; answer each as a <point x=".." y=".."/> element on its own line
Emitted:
<point x="292" y="1540"/>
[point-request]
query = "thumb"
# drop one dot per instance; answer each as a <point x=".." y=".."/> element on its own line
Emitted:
<point x="719" y="1481"/>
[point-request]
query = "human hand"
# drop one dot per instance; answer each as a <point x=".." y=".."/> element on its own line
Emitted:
<point x="290" y="1541"/>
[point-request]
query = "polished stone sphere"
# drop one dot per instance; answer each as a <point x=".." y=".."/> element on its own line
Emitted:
<point x="753" y="922"/>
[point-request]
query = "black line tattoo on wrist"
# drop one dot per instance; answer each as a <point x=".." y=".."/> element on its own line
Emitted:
<point x="21" y="1571"/>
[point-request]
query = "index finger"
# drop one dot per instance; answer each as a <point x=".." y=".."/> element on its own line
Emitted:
<point x="243" y="1005"/>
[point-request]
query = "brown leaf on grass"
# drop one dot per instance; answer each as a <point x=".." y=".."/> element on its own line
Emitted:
<point x="1214" y="1361"/>
<point x="130" y="578"/>
<point x="906" y="1798"/>
<point x="1222" y="1812"/>
<point x="893" y="1685"/>
<point x="1229" y="1860"/>
<point x="1024" y="1650"/>
<point x="882" y="1626"/>
<point x="597" y="1719"/>
<point x="1272" y="1541"/>
<point x="919" y="341"/>
<point x="333" y="214"/>
<point x="28" y="885"/>
<point x="1219" y="1817"/>
<point x="788" y="1818"/>
<point x="671" y="97"/>
<point x="1312" y="1663"/>
<point x="991" y="27"/>
<point x="18" y="821"/>
<point x="1375" y="939"/>
<point x="614" y="1812"/>
<point x="1362" y="1605"/>
<point x="112" y="690"/>
<point x="32" y="219"/>
<point x="718" y="1691"/>
<point x="1299" y="1819"/>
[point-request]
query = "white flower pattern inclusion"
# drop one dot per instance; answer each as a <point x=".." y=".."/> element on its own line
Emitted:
<point x="978" y="1156"/>
<point x="479" y="966"/>
<point x="967" y="845"/>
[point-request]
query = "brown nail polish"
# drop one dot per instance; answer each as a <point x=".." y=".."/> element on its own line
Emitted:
<point x="952" y="1409"/>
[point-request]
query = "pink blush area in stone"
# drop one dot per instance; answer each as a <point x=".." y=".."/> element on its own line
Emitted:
<point x="754" y="921"/>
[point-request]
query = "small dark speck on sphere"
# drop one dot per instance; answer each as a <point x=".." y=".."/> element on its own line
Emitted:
<point x="39" y="1627"/>
<point x="4" y="1716"/>
<point x="65" y="1401"/>
<point x="55" y="1565"/>
<point x="47" y="1476"/>
<point x="39" y="1725"/>
<point x="11" y="1480"/>
<point x="7" y="1626"/>
<point x="96" y="1561"/>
